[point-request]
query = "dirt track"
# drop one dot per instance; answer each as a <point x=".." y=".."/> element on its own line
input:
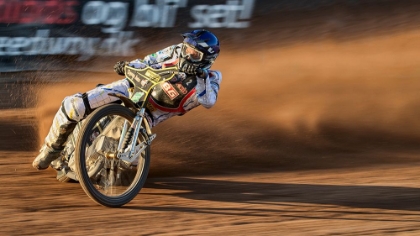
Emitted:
<point x="377" y="201"/>
<point x="321" y="141"/>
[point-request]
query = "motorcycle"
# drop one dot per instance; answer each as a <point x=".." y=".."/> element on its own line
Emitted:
<point x="108" y="153"/>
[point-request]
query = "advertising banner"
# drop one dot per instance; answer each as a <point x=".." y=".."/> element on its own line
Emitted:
<point x="48" y="34"/>
<point x="86" y="34"/>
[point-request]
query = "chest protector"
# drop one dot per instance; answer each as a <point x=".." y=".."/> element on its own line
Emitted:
<point x="171" y="97"/>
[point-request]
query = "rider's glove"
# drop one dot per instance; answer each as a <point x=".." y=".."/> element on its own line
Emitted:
<point x="188" y="67"/>
<point x="119" y="67"/>
<point x="202" y="73"/>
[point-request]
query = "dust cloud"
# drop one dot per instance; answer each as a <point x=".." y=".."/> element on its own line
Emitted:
<point x="302" y="106"/>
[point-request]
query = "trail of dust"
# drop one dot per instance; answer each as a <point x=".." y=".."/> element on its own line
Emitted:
<point x="323" y="101"/>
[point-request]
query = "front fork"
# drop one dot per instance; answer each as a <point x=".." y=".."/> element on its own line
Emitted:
<point x="130" y="135"/>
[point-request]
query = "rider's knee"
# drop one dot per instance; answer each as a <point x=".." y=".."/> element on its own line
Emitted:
<point x="73" y="107"/>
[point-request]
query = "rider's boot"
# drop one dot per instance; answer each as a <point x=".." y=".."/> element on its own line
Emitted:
<point x="54" y="142"/>
<point x="45" y="157"/>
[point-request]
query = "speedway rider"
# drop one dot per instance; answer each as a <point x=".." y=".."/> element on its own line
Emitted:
<point x="195" y="85"/>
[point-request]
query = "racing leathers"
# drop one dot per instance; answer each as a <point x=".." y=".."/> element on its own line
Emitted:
<point x="176" y="97"/>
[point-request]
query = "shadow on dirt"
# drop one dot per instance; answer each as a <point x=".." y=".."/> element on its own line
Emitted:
<point x="381" y="197"/>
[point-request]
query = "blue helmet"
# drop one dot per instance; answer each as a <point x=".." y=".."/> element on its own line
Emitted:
<point x="201" y="47"/>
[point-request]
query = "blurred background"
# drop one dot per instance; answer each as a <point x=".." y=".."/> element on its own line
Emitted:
<point x="307" y="84"/>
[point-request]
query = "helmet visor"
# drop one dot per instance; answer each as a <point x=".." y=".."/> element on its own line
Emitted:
<point x="191" y="53"/>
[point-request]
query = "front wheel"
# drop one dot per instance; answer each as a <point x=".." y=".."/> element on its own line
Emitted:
<point x="111" y="182"/>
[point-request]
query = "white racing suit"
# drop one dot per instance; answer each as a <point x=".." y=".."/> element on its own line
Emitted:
<point x="180" y="95"/>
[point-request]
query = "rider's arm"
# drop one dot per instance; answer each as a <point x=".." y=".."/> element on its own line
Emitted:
<point x="155" y="59"/>
<point x="207" y="89"/>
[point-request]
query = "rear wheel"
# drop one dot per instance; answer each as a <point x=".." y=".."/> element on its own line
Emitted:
<point x="111" y="182"/>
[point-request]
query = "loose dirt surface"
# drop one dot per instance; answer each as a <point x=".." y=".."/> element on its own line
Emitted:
<point x="372" y="201"/>
<point x="308" y="139"/>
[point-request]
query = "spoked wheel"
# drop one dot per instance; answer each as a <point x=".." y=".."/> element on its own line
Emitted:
<point x="106" y="179"/>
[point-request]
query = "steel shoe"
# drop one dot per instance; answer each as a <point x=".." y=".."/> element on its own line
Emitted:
<point x="45" y="157"/>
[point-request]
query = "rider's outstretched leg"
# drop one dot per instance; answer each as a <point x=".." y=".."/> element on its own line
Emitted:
<point x="57" y="136"/>
<point x="73" y="109"/>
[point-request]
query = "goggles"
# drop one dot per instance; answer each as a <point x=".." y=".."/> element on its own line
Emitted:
<point x="191" y="53"/>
